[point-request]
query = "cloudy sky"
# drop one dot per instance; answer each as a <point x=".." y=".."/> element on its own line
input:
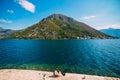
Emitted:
<point x="19" y="14"/>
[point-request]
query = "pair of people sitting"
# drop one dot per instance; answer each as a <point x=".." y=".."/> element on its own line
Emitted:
<point x="57" y="73"/>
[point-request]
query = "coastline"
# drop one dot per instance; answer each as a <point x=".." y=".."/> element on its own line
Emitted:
<point x="16" y="74"/>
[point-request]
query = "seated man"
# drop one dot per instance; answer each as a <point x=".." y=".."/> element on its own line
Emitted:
<point x="57" y="73"/>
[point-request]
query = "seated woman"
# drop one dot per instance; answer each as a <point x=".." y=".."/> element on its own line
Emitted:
<point x="57" y="73"/>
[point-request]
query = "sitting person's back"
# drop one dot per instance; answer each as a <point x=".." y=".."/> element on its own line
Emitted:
<point x="57" y="73"/>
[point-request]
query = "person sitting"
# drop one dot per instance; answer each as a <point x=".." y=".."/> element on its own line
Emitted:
<point x="57" y="73"/>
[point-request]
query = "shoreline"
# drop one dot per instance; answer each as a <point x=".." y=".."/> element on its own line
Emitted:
<point x="18" y="74"/>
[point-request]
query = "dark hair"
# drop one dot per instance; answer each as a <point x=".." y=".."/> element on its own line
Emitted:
<point x="58" y="71"/>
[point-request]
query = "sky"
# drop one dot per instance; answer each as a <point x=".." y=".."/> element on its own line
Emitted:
<point x="20" y="14"/>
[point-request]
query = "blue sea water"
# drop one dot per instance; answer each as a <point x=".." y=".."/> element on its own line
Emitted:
<point x="94" y="56"/>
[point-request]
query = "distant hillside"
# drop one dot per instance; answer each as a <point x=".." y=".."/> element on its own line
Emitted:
<point x="112" y="32"/>
<point x="5" y="32"/>
<point x="58" y="26"/>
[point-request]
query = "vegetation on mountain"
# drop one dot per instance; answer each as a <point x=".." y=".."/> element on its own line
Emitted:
<point x="58" y="26"/>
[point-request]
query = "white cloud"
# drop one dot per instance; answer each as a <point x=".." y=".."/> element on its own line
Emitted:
<point x="88" y="17"/>
<point x="115" y="26"/>
<point x="26" y="5"/>
<point x="5" y="21"/>
<point x="10" y="11"/>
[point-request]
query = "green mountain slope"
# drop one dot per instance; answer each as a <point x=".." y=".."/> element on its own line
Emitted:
<point x="58" y="26"/>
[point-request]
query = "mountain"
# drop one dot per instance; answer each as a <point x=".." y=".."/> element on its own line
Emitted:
<point x="5" y="32"/>
<point x="112" y="32"/>
<point x="58" y="26"/>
